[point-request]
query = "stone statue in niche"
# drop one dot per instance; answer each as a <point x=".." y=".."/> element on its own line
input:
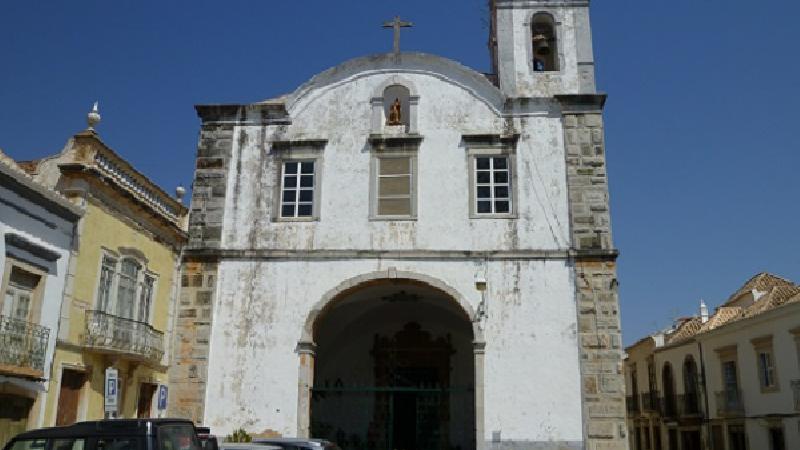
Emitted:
<point x="395" y="113"/>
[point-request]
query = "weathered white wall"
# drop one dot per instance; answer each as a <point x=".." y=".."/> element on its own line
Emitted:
<point x="515" y="60"/>
<point x="341" y="114"/>
<point x="262" y="307"/>
<point x="532" y="373"/>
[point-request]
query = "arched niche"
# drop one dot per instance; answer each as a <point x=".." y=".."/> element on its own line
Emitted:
<point x="399" y="90"/>
<point x="544" y="42"/>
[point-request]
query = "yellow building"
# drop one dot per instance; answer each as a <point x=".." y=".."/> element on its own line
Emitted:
<point x="121" y="284"/>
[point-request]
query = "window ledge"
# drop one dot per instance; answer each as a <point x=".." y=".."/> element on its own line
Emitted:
<point x="392" y="219"/>
<point x="295" y="219"/>
<point x="493" y="216"/>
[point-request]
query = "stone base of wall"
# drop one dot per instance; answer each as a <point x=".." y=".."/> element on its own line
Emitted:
<point x="187" y="375"/>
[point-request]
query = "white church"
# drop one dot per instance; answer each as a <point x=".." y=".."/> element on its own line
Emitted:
<point x="407" y="254"/>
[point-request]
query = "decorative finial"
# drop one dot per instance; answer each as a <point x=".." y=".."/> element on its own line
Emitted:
<point x="180" y="191"/>
<point x="703" y="311"/>
<point x="93" y="118"/>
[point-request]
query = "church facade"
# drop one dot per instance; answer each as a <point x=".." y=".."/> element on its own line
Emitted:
<point x="405" y="253"/>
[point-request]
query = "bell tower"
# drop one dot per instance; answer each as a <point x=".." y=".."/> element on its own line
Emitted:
<point x="542" y="48"/>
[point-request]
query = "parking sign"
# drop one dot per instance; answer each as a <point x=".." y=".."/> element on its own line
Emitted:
<point x="162" y="397"/>
<point x="111" y="390"/>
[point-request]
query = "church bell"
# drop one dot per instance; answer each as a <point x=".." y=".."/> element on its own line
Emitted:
<point x="541" y="44"/>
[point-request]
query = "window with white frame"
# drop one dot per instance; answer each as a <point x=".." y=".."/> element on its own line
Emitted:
<point x="395" y="186"/>
<point x="20" y="294"/>
<point x="297" y="189"/>
<point x="125" y="288"/>
<point x="492" y="185"/>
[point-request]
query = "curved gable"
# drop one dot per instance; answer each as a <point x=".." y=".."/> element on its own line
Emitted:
<point x="444" y="69"/>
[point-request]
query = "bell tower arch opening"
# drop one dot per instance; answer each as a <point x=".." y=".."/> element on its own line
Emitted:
<point x="394" y="367"/>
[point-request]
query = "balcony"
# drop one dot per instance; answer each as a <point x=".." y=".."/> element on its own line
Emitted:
<point x="651" y="402"/>
<point x="23" y="346"/>
<point x="796" y="390"/>
<point x="108" y="333"/>
<point x="689" y="405"/>
<point x="632" y="402"/>
<point x="729" y="403"/>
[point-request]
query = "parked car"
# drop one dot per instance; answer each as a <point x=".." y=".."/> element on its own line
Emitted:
<point x="298" y="443"/>
<point x="116" y="434"/>
<point x="207" y="440"/>
<point x="247" y="446"/>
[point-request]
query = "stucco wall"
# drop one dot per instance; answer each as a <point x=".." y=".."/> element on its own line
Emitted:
<point x="262" y="308"/>
<point x="341" y="114"/>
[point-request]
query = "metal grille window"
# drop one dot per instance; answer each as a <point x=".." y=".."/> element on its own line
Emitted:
<point x="297" y="189"/>
<point x="492" y="185"/>
<point x="395" y="186"/>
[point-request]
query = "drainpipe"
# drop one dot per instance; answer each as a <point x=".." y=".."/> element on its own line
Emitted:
<point x="707" y="420"/>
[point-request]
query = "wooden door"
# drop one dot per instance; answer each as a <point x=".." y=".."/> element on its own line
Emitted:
<point x="146" y="392"/>
<point x="71" y="383"/>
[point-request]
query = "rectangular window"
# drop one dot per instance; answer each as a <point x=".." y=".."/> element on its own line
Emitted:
<point x="104" y="293"/>
<point x="18" y="302"/>
<point x="126" y="292"/>
<point x="297" y="189"/>
<point x="146" y="298"/>
<point x="395" y="188"/>
<point x="766" y="369"/>
<point x="492" y="185"/>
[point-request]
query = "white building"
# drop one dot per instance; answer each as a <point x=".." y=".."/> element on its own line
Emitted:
<point x="405" y="253"/>
<point x="37" y="228"/>
<point x="726" y="381"/>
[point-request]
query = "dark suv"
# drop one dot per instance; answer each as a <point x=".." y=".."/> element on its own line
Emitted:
<point x="118" y="434"/>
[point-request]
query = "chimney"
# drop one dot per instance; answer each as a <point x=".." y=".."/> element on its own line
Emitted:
<point x="703" y="311"/>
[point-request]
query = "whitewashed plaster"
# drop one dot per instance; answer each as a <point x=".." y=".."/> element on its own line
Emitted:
<point x="447" y="111"/>
<point x="261" y="309"/>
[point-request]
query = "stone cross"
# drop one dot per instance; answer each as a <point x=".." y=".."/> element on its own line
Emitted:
<point x="397" y="24"/>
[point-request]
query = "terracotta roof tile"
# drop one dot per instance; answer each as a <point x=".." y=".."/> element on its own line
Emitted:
<point x="763" y="281"/>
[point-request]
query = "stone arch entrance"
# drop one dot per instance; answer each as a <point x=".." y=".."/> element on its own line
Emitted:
<point x="392" y="363"/>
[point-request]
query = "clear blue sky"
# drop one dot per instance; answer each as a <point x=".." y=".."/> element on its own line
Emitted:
<point x="701" y="118"/>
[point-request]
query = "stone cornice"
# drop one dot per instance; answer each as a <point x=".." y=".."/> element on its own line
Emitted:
<point x="39" y="194"/>
<point x="581" y="103"/>
<point x="492" y="255"/>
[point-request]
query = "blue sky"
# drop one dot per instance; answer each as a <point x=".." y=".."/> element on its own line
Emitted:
<point x="701" y="116"/>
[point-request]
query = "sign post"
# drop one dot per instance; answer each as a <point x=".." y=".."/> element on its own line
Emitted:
<point x="111" y="394"/>
<point x="163" y="392"/>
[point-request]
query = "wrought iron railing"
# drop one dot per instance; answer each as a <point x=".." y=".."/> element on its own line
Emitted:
<point x="689" y="405"/>
<point x="107" y="332"/>
<point x="632" y="402"/>
<point x="796" y="390"/>
<point x="730" y="402"/>
<point x="651" y="402"/>
<point x="23" y="345"/>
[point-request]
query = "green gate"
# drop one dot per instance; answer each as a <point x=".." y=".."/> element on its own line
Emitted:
<point x="392" y="417"/>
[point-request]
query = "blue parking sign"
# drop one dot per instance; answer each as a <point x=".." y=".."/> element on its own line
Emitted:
<point x="162" y="397"/>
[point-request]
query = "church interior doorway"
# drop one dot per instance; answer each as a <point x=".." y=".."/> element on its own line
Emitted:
<point x="394" y="370"/>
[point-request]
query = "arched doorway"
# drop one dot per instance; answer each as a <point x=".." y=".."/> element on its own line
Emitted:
<point x="394" y="369"/>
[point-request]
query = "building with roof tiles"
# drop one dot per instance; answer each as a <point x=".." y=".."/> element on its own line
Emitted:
<point x="118" y="305"/>
<point x="37" y="229"/>
<point x="725" y="381"/>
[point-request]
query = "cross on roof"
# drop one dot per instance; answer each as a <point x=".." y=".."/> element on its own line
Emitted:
<point x="397" y="24"/>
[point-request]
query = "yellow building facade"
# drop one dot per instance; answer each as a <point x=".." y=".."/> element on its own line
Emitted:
<point x="121" y="288"/>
